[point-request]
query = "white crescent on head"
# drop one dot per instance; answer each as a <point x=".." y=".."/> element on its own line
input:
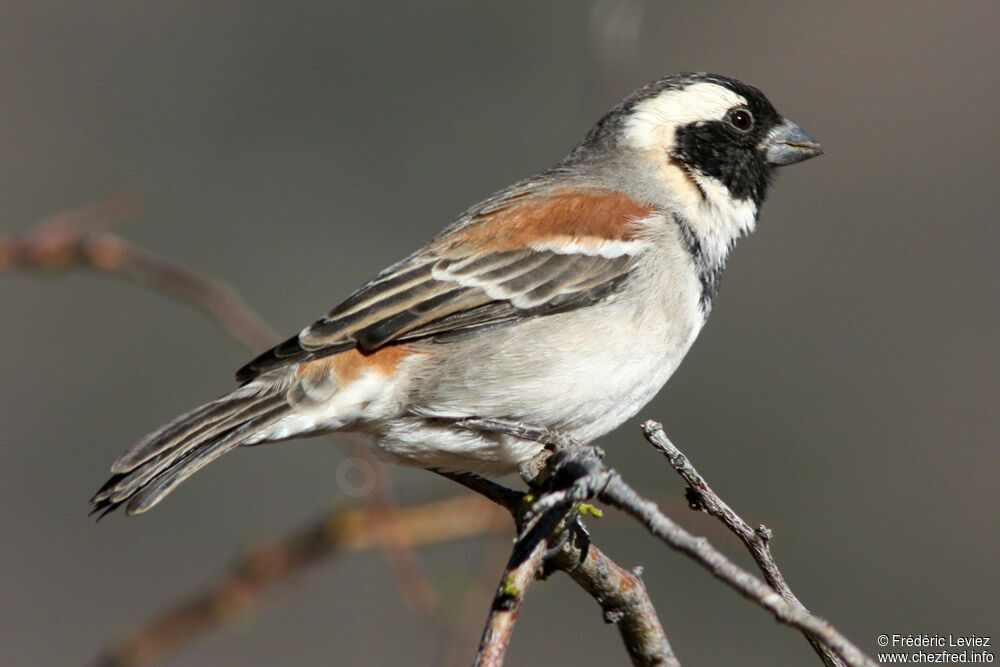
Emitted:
<point x="651" y="124"/>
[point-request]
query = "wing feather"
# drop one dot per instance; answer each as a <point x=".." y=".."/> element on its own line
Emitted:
<point x="451" y="288"/>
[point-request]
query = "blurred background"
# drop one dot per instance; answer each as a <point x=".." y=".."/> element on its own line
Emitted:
<point x="844" y="391"/>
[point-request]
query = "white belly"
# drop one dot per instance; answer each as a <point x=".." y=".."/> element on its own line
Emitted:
<point x="583" y="372"/>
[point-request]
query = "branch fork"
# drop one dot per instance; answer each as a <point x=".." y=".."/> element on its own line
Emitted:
<point x="571" y="473"/>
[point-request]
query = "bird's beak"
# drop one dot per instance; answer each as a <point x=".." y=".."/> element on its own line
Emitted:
<point x="788" y="143"/>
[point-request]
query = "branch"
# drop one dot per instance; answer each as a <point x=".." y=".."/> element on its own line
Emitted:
<point x="621" y="593"/>
<point x="702" y="497"/>
<point x="79" y="238"/>
<point x="522" y="568"/>
<point x="614" y="491"/>
<point x="625" y="602"/>
<point x="271" y="563"/>
<point x="576" y="472"/>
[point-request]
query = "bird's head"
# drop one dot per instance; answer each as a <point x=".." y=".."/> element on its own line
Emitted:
<point x="703" y="145"/>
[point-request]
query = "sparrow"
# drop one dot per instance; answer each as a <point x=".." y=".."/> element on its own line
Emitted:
<point x="564" y="302"/>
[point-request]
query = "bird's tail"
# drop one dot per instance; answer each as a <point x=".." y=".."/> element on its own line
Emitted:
<point x="152" y="467"/>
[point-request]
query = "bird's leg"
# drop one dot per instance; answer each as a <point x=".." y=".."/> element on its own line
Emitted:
<point x="567" y="473"/>
<point x="572" y="528"/>
<point x="550" y="438"/>
<point x="535" y="471"/>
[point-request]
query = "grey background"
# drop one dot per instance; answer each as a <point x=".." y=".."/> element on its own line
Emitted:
<point x="844" y="391"/>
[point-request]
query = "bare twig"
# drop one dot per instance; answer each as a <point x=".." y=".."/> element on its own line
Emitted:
<point x="625" y="602"/>
<point x="521" y="570"/>
<point x="523" y="566"/>
<point x="614" y="491"/>
<point x="509" y="499"/>
<point x="79" y="239"/>
<point x="271" y="563"/>
<point x="702" y="497"/>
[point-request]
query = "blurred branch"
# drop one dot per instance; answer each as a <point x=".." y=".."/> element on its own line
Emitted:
<point x="615" y="27"/>
<point x="274" y="562"/>
<point x="701" y="497"/>
<point x="615" y="42"/>
<point x="416" y="589"/>
<point x="79" y="238"/>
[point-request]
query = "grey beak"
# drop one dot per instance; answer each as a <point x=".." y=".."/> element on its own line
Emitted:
<point x="788" y="143"/>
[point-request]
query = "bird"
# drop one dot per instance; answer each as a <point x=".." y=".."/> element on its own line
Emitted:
<point x="564" y="301"/>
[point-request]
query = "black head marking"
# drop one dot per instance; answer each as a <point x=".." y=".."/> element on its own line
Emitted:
<point x="719" y="149"/>
<point x="728" y="150"/>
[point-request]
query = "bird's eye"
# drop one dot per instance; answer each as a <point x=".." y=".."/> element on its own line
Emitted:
<point x="741" y="119"/>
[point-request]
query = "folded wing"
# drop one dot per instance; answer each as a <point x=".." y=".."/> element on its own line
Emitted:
<point x="533" y="257"/>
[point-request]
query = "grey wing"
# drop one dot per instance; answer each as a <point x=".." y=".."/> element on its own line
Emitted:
<point x="430" y="296"/>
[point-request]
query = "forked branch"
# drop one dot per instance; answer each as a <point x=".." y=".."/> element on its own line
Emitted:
<point x="758" y="541"/>
<point x="576" y="472"/>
